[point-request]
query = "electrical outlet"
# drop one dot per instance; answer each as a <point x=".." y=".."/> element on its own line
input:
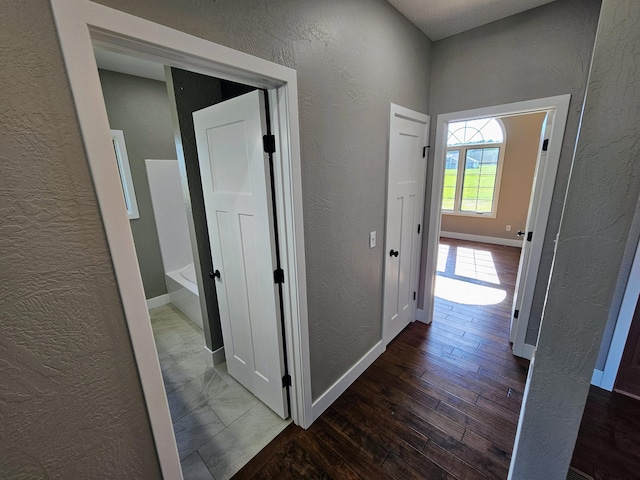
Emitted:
<point x="508" y="228"/>
<point x="372" y="239"/>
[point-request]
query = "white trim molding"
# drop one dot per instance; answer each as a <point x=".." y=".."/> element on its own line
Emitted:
<point x="528" y="351"/>
<point x="508" y="242"/>
<point x="217" y="355"/>
<point x="420" y="315"/>
<point x="158" y="301"/>
<point x="607" y="378"/>
<point x="596" y="378"/>
<point x="81" y="25"/>
<point x="325" y="400"/>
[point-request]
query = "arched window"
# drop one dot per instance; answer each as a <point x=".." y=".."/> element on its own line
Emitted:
<point x="472" y="167"/>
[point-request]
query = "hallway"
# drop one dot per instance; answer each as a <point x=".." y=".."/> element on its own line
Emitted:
<point x="443" y="400"/>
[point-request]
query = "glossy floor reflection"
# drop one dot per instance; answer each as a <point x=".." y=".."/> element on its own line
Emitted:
<point x="219" y="425"/>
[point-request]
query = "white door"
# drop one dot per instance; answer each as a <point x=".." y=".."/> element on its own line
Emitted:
<point x="405" y="204"/>
<point x="523" y="294"/>
<point x="236" y="186"/>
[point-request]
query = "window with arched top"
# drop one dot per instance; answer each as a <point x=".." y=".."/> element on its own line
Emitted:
<point x="475" y="149"/>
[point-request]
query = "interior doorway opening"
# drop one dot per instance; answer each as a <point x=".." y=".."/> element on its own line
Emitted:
<point x="493" y="179"/>
<point x="81" y="25"/>
<point x="219" y="424"/>
<point x="490" y="169"/>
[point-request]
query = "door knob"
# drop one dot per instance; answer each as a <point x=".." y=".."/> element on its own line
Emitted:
<point x="521" y="233"/>
<point x="393" y="253"/>
<point x="215" y="274"/>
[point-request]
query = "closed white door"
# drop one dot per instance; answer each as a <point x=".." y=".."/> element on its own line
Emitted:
<point x="527" y="273"/>
<point x="405" y="204"/>
<point x="236" y="187"/>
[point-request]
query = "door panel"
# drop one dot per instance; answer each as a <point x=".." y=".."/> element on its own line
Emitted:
<point x="524" y="309"/>
<point x="236" y="188"/>
<point x="628" y="379"/>
<point x="405" y="201"/>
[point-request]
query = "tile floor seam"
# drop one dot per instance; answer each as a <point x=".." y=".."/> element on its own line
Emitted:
<point x="204" y="400"/>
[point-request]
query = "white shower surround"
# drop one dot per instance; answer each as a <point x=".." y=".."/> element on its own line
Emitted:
<point x="170" y="213"/>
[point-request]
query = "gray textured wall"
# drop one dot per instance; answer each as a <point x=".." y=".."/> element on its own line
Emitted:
<point x="352" y="59"/>
<point x="140" y="108"/>
<point x="70" y="399"/>
<point x="597" y="219"/>
<point x="539" y="53"/>
<point x="75" y="407"/>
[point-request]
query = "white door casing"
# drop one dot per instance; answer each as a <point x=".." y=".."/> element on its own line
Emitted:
<point x="80" y="24"/>
<point x="521" y="310"/>
<point x="237" y="193"/>
<point x="408" y="134"/>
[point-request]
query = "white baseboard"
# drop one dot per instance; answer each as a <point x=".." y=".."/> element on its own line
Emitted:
<point x="528" y="351"/>
<point x="596" y="379"/>
<point x="217" y="355"/>
<point x="158" y="301"/>
<point x="331" y="395"/>
<point x="483" y="239"/>
<point x="420" y="315"/>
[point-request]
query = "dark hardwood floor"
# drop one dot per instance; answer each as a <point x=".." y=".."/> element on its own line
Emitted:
<point x="608" y="445"/>
<point x="443" y="401"/>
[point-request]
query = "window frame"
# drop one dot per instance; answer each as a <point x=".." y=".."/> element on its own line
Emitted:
<point x="462" y="149"/>
<point x="128" y="189"/>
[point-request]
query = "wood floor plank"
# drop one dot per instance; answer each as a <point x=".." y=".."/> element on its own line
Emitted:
<point x="340" y="446"/>
<point x="406" y="463"/>
<point x="377" y="418"/>
<point x="251" y="469"/>
<point x="451" y="463"/>
<point x="501" y="439"/>
<point x="490" y="418"/>
<point x="456" y="449"/>
<point x="355" y="427"/>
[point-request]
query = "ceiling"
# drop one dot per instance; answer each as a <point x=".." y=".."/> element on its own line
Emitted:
<point x="439" y="19"/>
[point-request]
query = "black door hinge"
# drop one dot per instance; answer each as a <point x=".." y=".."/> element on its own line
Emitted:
<point x="278" y="275"/>
<point x="545" y="145"/>
<point x="418" y="228"/>
<point x="424" y="151"/>
<point x="414" y="295"/>
<point x="269" y="143"/>
<point x="529" y="236"/>
<point x="286" y="381"/>
<point x="516" y="313"/>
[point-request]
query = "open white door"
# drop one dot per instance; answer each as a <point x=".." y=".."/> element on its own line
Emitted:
<point x="528" y="267"/>
<point x="517" y="311"/>
<point x="405" y="204"/>
<point x="236" y="186"/>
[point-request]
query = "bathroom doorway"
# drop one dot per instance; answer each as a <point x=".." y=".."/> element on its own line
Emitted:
<point x="218" y="423"/>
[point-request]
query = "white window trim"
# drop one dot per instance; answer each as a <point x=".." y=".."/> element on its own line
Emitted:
<point x="462" y="148"/>
<point x="117" y="136"/>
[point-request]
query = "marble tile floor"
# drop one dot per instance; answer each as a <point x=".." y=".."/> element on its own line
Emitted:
<point x="219" y="425"/>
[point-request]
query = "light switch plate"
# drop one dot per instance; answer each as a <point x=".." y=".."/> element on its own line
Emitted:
<point x="372" y="239"/>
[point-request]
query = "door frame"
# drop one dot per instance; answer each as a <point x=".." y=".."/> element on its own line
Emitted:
<point x="560" y="104"/>
<point x="81" y="24"/>
<point x="397" y="111"/>
<point x="606" y="378"/>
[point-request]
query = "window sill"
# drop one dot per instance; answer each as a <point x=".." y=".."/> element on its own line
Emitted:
<point x="464" y="214"/>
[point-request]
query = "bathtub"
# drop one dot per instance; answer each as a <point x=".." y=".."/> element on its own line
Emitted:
<point x="183" y="293"/>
